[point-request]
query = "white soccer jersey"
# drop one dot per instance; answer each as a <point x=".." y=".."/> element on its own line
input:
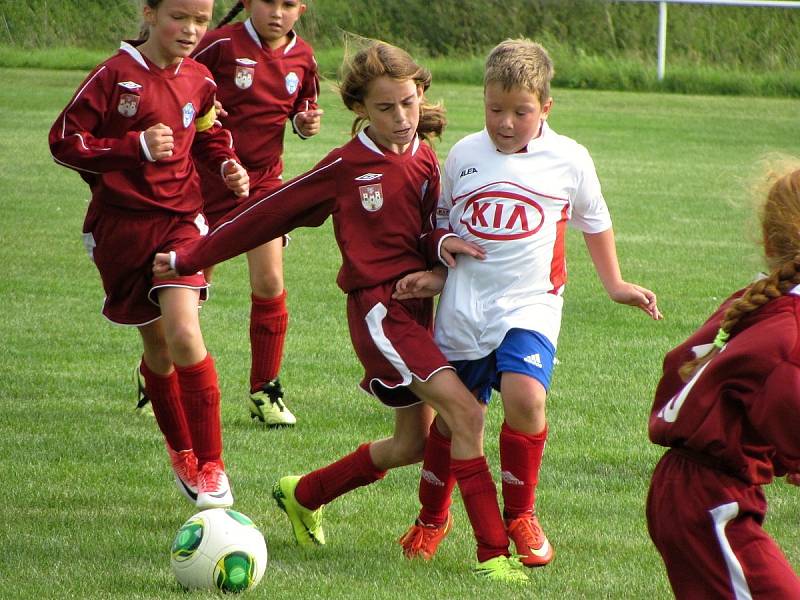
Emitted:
<point x="516" y="206"/>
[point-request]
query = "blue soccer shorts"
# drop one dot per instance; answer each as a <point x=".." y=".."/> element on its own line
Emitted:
<point x="521" y="351"/>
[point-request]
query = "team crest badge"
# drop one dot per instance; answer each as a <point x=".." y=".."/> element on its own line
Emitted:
<point x="188" y="114"/>
<point x="371" y="196"/>
<point x="245" y="70"/>
<point x="292" y="82"/>
<point x="128" y="104"/>
<point x="129" y="100"/>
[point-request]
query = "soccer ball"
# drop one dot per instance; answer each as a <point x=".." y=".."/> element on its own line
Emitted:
<point x="219" y="549"/>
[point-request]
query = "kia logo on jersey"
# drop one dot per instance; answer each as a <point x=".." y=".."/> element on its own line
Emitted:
<point x="371" y="196"/>
<point x="502" y="215"/>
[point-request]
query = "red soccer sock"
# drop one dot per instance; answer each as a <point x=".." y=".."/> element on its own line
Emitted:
<point x="165" y="397"/>
<point x="436" y="480"/>
<point x="480" y="501"/>
<point x="268" y="322"/>
<point x="328" y="483"/>
<point x="520" y="460"/>
<point x="200" y="398"/>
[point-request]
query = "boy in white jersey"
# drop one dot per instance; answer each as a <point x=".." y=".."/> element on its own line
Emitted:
<point x="511" y="188"/>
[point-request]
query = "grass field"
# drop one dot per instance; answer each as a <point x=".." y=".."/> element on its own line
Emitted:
<point x="91" y="507"/>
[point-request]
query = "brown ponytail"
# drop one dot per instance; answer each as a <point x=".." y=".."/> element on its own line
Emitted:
<point x="235" y="10"/>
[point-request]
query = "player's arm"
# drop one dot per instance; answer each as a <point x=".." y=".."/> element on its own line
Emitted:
<point x="306" y="116"/>
<point x="421" y="284"/>
<point x="305" y="201"/>
<point x="603" y="252"/>
<point x="73" y="138"/>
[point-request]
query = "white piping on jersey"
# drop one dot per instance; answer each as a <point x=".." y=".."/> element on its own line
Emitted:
<point x="265" y="198"/>
<point x="211" y="81"/>
<point x="367" y="141"/>
<point x="211" y="45"/>
<point x="374" y="319"/>
<point x="75" y="99"/>
<point x="73" y="167"/>
<point x="722" y="515"/>
<point x="137" y="56"/>
<point x="134" y="53"/>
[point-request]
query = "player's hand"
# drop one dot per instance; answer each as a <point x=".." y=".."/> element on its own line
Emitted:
<point x="793" y="478"/>
<point x="221" y="112"/>
<point x="635" y="295"/>
<point x="308" y="122"/>
<point x="236" y="178"/>
<point x="453" y="245"/>
<point x="162" y="268"/>
<point x="159" y="141"/>
<point x="421" y="284"/>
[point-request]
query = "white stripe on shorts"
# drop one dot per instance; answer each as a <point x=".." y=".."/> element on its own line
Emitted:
<point x="374" y="321"/>
<point x="722" y="515"/>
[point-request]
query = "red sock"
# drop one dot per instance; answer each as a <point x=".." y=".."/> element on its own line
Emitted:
<point x="268" y="322"/>
<point x="520" y="460"/>
<point x="165" y="397"/>
<point x="328" y="483"/>
<point x="480" y="501"/>
<point x="436" y="480"/>
<point x="200" y="398"/>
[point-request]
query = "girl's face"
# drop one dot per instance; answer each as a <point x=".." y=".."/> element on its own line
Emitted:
<point x="176" y="26"/>
<point x="513" y="117"/>
<point x="273" y="19"/>
<point x="392" y="108"/>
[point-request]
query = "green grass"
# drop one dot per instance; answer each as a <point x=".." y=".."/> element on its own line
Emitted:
<point x="92" y="509"/>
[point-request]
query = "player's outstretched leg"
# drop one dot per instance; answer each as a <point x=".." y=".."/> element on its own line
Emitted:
<point x="267" y="406"/>
<point x="507" y="569"/>
<point x="306" y="524"/>
<point x="143" y="406"/>
<point x="421" y="540"/>
<point x="213" y="488"/>
<point x="533" y="547"/>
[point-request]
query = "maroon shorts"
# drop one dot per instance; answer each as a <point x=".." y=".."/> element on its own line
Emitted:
<point x="218" y="200"/>
<point x="122" y="246"/>
<point x="707" y="525"/>
<point x="393" y="339"/>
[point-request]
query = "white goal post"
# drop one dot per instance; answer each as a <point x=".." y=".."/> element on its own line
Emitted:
<point x="662" y="18"/>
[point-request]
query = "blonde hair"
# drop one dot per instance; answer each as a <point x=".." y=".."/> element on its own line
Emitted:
<point x="378" y="58"/>
<point x="779" y="215"/>
<point x="520" y="63"/>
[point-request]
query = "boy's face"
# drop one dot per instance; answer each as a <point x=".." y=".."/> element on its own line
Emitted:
<point x="513" y="117"/>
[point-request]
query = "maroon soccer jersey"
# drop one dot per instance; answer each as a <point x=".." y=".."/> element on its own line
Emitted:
<point x="99" y="133"/>
<point x="382" y="206"/>
<point x="259" y="88"/>
<point x="743" y="407"/>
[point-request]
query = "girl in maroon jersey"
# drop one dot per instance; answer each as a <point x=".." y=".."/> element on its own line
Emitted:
<point x="728" y="407"/>
<point x="266" y="74"/>
<point x="381" y="189"/>
<point x="129" y="131"/>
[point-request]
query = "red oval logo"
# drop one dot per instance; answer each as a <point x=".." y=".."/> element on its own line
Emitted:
<point x="500" y="215"/>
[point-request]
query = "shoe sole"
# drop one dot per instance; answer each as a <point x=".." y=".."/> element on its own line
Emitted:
<point x="302" y="535"/>
<point x="256" y="413"/>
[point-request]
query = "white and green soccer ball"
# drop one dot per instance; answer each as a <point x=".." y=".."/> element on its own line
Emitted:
<point x="219" y="549"/>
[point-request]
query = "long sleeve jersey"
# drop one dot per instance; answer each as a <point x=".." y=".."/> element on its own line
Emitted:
<point x="100" y="134"/>
<point x="260" y="89"/>
<point x="382" y="205"/>
<point x="742" y="408"/>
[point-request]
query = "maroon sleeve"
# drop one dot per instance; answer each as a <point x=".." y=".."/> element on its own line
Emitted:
<point x="776" y="414"/>
<point x="213" y="144"/>
<point x="305" y="201"/>
<point x="73" y="140"/>
<point x="431" y="236"/>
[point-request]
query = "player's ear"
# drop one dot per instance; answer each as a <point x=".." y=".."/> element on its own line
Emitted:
<point x="546" y="108"/>
<point x="302" y="9"/>
<point x="360" y="110"/>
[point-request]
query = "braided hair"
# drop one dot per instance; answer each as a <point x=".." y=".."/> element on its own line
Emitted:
<point x="780" y="228"/>
<point x="235" y="10"/>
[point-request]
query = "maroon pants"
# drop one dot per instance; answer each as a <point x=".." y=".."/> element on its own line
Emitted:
<point x="707" y="525"/>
